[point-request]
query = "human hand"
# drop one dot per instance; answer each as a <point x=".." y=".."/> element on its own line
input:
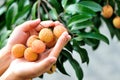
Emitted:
<point x="20" y="35"/>
<point x="20" y="69"/>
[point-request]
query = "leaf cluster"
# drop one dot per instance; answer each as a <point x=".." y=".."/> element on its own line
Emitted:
<point x="82" y="18"/>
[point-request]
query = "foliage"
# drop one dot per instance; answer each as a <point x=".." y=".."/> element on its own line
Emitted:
<point x="81" y="17"/>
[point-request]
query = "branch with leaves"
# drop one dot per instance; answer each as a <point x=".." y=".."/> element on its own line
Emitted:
<point x="81" y="17"/>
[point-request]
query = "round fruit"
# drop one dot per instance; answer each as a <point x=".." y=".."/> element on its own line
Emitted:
<point x="52" y="69"/>
<point x="116" y="22"/>
<point x="107" y="11"/>
<point x="46" y="35"/>
<point x="38" y="46"/>
<point x="31" y="39"/>
<point x="29" y="55"/>
<point x="58" y="30"/>
<point x="18" y="50"/>
<point x="52" y="43"/>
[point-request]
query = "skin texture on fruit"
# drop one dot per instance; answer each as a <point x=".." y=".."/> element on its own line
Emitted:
<point x="58" y="30"/>
<point x="31" y="39"/>
<point x="51" y="44"/>
<point x="46" y="35"/>
<point x="107" y="11"/>
<point x="29" y="55"/>
<point x="18" y="50"/>
<point x="52" y="69"/>
<point x="116" y="22"/>
<point x="38" y="46"/>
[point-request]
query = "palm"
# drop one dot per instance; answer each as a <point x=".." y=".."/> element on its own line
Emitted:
<point x="25" y="68"/>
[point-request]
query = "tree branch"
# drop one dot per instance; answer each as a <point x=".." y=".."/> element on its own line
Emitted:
<point x="38" y="13"/>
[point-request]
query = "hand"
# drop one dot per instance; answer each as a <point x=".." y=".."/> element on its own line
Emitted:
<point x="20" y="69"/>
<point x="22" y="32"/>
<point x="19" y="35"/>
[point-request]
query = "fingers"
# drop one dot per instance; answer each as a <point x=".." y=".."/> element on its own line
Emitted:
<point x="45" y="24"/>
<point x="29" y="25"/>
<point x="58" y="23"/>
<point x="62" y="41"/>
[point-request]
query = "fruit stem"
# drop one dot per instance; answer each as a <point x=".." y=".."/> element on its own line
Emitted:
<point x="46" y="11"/>
<point x="48" y="4"/>
<point x="107" y="1"/>
<point x="39" y="2"/>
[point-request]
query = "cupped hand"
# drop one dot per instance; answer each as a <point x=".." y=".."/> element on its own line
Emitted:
<point x="21" y="33"/>
<point x="22" y="69"/>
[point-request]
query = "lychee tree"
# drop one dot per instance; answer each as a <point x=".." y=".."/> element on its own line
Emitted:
<point x="82" y="18"/>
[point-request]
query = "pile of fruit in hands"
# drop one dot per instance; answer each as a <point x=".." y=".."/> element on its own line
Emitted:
<point x="38" y="44"/>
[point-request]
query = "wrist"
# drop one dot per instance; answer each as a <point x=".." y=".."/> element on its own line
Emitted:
<point x="5" y="58"/>
<point x="9" y="75"/>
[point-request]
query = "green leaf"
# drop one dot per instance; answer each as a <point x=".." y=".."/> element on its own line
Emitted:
<point x="11" y="13"/>
<point x="69" y="2"/>
<point x="92" y="5"/>
<point x="91" y="42"/>
<point x="3" y="43"/>
<point x="64" y="3"/>
<point x="9" y="2"/>
<point x="0" y="45"/>
<point x="53" y="14"/>
<point x="2" y="24"/>
<point x="97" y="21"/>
<point x="79" y="8"/>
<point x="69" y="46"/>
<point x="82" y="52"/>
<point x="78" y="19"/>
<point x="62" y="59"/>
<point x="55" y="4"/>
<point x="117" y="32"/>
<point x="60" y="66"/>
<point x="5" y="35"/>
<point x="25" y="10"/>
<point x="97" y="45"/>
<point x="20" y="4"/>
<point x="82" y="25"/>
<point x="34" y="10"/>
<point x="41" y="76"/>
<point x="2" y="10"/>
<point x="75" y="64"/>
<point x="93" y="35"/>
<point x="118" y="9"/>
<point x="110" y="26"/>
<point x="77" y="69"/>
